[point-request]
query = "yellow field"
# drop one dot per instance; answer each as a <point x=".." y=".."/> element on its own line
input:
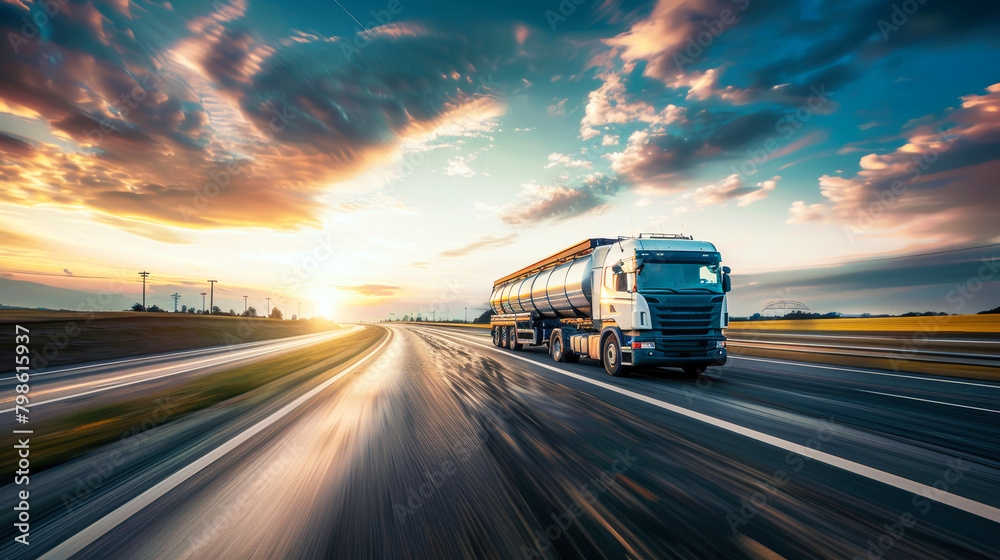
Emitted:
<point x="947" y="323"/>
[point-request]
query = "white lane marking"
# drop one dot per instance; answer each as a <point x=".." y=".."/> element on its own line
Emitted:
<point x="99" y="528"/>
<point x="965" y="504"/>
<point x="172" y="355"/>
<point x="876" y="392"/>
<point x="930" y="401"/>
<point x="212" y="362"/>
<point x="869" y="372"/>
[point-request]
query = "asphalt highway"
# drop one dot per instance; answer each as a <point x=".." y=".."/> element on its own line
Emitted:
<point x="437" y="444"/>
<point x="57" y="390"/>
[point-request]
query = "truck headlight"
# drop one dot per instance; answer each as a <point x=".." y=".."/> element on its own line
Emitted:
<point x="643" y="345"/>
<point x="720" y="344"/>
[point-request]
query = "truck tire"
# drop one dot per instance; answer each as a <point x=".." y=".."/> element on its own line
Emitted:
<point x="611" y="355"/>
<point x="556" y="348"/>
<point x="503" y="336"/>
<point x="512" y="342"/>
<point x="496" y="336"/>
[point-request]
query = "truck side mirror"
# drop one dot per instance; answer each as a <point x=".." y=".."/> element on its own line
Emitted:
<point x="726" y="270"/>
<point x="727" y="283"/>
<point x="617" y="269"/>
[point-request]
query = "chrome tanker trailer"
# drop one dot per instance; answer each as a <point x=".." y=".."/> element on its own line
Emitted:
<point x="651" y="300"/>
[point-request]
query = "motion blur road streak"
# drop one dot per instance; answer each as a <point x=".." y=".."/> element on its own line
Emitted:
<point x="439" y="448"/>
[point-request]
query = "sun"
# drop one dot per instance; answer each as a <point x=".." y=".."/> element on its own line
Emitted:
<point x="325" y="301"/>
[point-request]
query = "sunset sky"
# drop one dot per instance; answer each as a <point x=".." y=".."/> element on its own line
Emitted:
<point x="373" y="156"/>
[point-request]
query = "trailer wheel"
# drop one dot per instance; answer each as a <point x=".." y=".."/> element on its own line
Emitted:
<point x="512" y="342"/>
<point x="557" y="350"/>
<point x="612" y="357"/>
<point x="503" y="336"/>
<point x="496" y="336"/>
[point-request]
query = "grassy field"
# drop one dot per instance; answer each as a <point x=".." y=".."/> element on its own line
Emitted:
<point x="62" y="338"/>
<point x="80" y="432"/>
<point x="946" y="323"/>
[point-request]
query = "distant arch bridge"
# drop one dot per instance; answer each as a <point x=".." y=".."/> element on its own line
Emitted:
<point x="783" y="307"/>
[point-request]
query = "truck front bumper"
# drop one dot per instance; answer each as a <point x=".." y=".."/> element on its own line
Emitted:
<point x="659" y="358"/>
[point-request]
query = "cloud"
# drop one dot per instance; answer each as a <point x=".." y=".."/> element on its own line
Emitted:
<point x="459" y="166"/>
<point x="939" y="186"/>
<point x="481" y="244"/>
<point x="609" y="140"/>
<point x="674" y="25"/>
<point x="802" y="213"/>
<point x="371" y="290"/>
<point x="557" y="107"/>
<point x="566" y="160"/>
<point x="732" y="188"/>
<point x="67" y="271"/>
<point x="657" y="159"/>
<point x="610" y="104"/>
<point x="223" y="127"/>
<point x="540" y="203"/>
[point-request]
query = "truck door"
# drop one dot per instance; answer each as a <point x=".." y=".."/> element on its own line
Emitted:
<point x="616" y="300"/>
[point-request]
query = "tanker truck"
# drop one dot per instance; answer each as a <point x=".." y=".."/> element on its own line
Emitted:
<point x="648" y="301"/>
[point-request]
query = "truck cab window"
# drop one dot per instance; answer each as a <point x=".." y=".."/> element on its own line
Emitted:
<point x="617" y="282"/>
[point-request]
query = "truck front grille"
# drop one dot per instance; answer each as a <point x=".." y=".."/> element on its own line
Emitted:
<point x="687" y="315"/>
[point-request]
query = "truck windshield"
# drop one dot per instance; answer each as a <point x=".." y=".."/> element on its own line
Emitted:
<point x="679" y="277"/>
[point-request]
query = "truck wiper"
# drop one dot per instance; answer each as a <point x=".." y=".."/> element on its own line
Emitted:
<point x="709" y="290"/>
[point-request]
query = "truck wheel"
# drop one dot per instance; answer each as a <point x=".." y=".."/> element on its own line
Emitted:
<point x="503" y="336"/>
<point x="695" y="371"/>
<point x="512" y="338"/>
<point x="558" y="352"/>
<point x="496" y="335"/>
<point x="612" y="355"/>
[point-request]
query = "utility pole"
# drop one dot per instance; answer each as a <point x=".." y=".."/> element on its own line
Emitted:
<point x="466" y="314"/>
<point x="245" y="303"/>
<point x="211" y="296"/>
<point x="268" y="314"/>
<point x="176" y="297"/>
<point x="203" y="294"/>
<point x="299" y="316"/>
<point x="144" y="274"/>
